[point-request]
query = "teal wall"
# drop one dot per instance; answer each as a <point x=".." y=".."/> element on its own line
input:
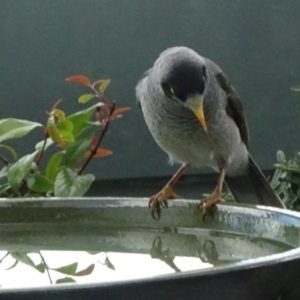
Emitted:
<point x="257" y="43"/>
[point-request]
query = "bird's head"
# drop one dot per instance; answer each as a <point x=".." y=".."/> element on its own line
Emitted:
<point x="183" y="79"/>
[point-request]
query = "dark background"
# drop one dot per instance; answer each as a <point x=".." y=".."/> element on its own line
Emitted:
<point x="257" y="43"/>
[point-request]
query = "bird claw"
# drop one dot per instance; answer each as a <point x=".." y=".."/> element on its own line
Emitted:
<point x="155" y="213"/>
<point x="160" y="200"/>
<point x="209" y="204"/>
<point x="155" y="208"/>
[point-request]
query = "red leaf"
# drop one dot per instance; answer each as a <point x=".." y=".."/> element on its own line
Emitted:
<point x="119" y="111"/>
<point x="99" y="153"/>
<point x="99" y="115"/>
<point x="79" y="79"/>
<point x="102" y="112"/>
<point x="106" y="108"/>
<point x="87" y="271"/>
<point x="102" y="152"/>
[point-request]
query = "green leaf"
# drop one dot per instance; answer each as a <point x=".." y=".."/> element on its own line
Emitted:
<point x="76" y="150"/>
<point x="68" y="269"/>
<point x="69" y="184"/>
<point x="295" y="88"/>
<point x="53" y="168"/>
<point x="65" y="126"/>
<point x="14" y="128"/>
<point x="59" y="114"/>
<point x="275" y="180"/>
<point x="25" y="259"/>
<point x="11" y="151"/>
<point x="13" y="265"/>
<point x="19" y="170"/>
<point x="50" y="194"/>
<point x="40" y="267"/>
<point x="282" y="187"/>
<point x="86" y="97"/>
<point x="87" y="271"/>
<point x="109" y="264"/>
<point x="104" y="85"/>
<point x="4" y="188"/>
<point x="81" y="118"/>
<point x="280" y="157"/>
<point x="65" y="280"/>
<point x="40" y="144"/>
<point x="68" y="137"/>
<point x="65" y="129"/>
<point x="40" y="183"/>
<point x="294" y="178"/>
<point x="54" y="133"/>
<point x="33" y="195"/>
<point x="3" y="172"/>
<point x="96" y="123"/>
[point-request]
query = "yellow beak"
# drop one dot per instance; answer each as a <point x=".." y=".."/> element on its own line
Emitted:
<point x="196" y="105"/>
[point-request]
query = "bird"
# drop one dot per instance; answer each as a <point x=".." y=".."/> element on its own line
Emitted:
<point x="196" y="116"/>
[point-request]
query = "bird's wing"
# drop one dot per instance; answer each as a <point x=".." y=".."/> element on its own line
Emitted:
<point x="252" y="187"/>
<point x="139" y="89"/>
<point x="234" y="106"/>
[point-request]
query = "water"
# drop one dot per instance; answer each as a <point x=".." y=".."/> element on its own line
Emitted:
<point x="52" y="241"/>
<point x="52" y="254"/>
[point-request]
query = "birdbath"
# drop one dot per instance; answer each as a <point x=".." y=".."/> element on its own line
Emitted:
<point x="240" y="252"/>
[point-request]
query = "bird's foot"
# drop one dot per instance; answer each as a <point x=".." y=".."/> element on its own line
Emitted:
<point x="160" y="200"/>
<point x="209" y="203"/>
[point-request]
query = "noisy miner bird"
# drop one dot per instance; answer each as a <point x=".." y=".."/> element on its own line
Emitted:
<point x="195" y="116"/>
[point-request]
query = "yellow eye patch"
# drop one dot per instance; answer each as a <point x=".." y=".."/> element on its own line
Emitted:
<point x="172" y="91"/>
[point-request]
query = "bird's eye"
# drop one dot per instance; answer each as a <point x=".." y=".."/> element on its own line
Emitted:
<point x="169" y="91"/>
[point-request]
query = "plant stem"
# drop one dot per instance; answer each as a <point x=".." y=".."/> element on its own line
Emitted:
<point x="94" y="150"/>
<point x="46" y="267"/>
<point x="24" y="182"/>
<point x="101" y="96"/>
<point x="43" y="149"/>
<point x="7" y="253"/>
<point x="4" y="160"/>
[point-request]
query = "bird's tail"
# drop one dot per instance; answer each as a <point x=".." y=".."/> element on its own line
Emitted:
<point x="253" y="188"/>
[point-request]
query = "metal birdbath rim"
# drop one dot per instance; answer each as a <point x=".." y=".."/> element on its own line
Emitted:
<point x="168" y="218"/>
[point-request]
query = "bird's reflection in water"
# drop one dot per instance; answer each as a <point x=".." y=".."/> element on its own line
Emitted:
<point x="157" y="252"/>
<point x="205" y="249"/>
<point x="208" y="253"/>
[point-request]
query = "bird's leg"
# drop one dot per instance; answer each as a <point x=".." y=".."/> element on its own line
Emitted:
<point x="160" y="199"/>
<point x="215" y="197"/>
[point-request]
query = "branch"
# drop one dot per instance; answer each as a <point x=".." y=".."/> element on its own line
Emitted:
<point x="1" y="260"/>
<point x="94" y="150"/>
<point x="43" y="149"/>
<point x="4" y="160"/>
<point x="101" y="96"/>
<point x="46" y="267"/>
<point x="24" y="182"/>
